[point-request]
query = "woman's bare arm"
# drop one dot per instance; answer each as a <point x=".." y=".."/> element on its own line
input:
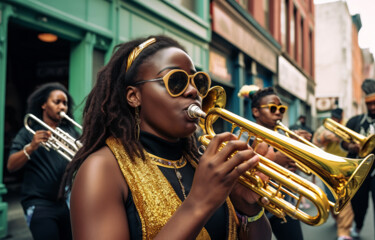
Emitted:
<point x="99" y="190"/>
<point x="97" y="199"/>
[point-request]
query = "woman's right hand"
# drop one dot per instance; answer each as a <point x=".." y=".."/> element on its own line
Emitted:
<point x="353" y="148"/>
<point x="218" y="170"/>
<point x="39" y="137"/>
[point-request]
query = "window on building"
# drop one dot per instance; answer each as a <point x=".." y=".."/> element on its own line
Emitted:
<point x="296" y="34"/>
<point x="292" y="31"/>
<point x="191" y="4"/>
<point x="301" y="43"/>
<point x="284" y="23"/>
<point x="311" y="60"/>
<point x="266" y="7"/>
<point x="244" y="4"/>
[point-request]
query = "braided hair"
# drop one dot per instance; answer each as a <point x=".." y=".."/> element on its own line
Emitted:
<point x="107" y="112"/>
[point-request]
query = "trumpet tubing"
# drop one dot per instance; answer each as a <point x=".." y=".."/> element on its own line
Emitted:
<point x="60" y="141"/>
<point x="366" y="144"/>
<point x="275" y="194"/>
<point x="64" y="115"/>
<point x="281" y="126"/>
<point x="343" y="176"/>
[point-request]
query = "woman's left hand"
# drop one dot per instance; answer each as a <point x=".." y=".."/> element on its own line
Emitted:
<point x="244" y="199"/>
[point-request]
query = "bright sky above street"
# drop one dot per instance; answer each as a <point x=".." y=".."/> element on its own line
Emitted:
<point x="366" y="8"/>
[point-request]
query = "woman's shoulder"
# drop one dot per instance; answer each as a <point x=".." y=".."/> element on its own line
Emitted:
<point x="100" y="173"/>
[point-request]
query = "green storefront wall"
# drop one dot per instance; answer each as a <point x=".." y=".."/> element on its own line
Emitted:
<point x="98" y="25"/>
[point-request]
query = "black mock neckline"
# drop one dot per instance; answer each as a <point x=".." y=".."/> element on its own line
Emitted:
<point x="160" y="147"/>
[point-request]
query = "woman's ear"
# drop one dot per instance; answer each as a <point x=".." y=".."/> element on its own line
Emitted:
<point x="256" y="112"/>
<point x="133" y="96"/>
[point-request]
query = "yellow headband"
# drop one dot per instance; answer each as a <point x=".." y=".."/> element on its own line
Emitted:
<point x="370" y="97"/>
<point x="134" y="54"/>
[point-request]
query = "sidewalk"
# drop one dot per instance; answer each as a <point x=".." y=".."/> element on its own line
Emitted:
<point x="17" y="228"/>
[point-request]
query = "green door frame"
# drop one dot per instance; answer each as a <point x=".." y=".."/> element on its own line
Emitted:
<point x="80" y="75"/>
<point x="5" y="12"/>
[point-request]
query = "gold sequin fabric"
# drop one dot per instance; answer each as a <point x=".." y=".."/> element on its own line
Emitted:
<point x="153" y="196"/>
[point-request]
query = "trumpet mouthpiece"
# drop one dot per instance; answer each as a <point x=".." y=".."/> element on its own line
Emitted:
<point x="62" y="114"/>
<point x="195" y="112"/>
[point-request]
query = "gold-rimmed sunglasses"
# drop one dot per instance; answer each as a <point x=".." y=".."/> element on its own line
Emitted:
<point x="273" y="107"/>
<point x="176" y="82"/>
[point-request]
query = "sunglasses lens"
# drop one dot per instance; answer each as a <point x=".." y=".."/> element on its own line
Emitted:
<point x="282" y="109"/>
<point x="177" y="82"/>
<point x="272" y="109"/>
<point x="202" y="83"/>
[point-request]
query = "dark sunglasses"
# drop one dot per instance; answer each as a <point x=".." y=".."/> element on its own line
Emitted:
<point x="176" y="82"/>
<point x="273" y="107"/>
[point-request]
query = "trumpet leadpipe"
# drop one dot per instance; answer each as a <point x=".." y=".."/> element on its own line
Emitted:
<point x="64" y="115"/>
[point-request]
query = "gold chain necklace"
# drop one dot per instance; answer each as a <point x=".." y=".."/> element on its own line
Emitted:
<point x="171" y="164"/>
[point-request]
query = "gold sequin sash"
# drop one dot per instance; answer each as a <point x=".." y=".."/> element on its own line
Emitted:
<point x="154" y="197"/>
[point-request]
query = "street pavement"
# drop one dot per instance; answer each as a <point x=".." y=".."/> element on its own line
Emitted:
<point x="18" y="230"/>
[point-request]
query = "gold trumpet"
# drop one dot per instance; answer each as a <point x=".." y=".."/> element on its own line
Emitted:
<point x="366" y="144"/>
<point x="343" y="176"/>
<point x="289" y="133"/>
<point x="60" y="141"/>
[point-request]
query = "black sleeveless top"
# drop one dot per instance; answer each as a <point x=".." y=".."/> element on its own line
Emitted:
<point x="217" y="226"/>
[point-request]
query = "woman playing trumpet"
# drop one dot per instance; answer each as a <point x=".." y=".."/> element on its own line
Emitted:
<point x="46" y="217"/>
<point x="135" y="176"/>
<point x="268" y="110"/>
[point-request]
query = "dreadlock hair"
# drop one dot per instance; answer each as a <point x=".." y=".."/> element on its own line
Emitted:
<point x="41" y="95"/>
<point x="258" y="95"/>
<point x="107" y="112"/>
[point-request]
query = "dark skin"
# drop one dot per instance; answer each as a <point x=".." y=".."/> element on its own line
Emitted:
<point x="352" y="146"/>
<point x="56" y="103"/>
<point x="99" y="190"/>
<point x="266" y="118"/>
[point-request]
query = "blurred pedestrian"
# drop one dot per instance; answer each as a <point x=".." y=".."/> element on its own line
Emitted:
<point x="301" y="125"/>
<point x="331" y="143"/>
<point x="365" y="125"/>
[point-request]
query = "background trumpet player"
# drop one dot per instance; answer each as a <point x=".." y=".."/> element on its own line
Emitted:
<point x="331" y="143"/>
<point x="267" y="110"/>
<point x="46" y="217"/>
<point x="365" y="125"/>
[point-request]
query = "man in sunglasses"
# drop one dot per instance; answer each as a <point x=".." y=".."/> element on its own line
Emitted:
<point x="267" y="110"/>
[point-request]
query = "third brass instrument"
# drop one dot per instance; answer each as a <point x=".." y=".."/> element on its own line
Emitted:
<point x="343" y="176"/>
<point x="366" y="144"/>
<point x="60" y="141"/>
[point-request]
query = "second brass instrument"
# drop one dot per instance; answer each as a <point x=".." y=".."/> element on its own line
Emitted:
<point x="343" y="176"/>
<point x="60" y="141"/>
<point x="366" y="144"/>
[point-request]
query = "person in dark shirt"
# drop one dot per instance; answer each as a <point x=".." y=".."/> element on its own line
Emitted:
<point x="46" y="216"/>
<point x="301" y="125"/>
<point x="363" y="124"/>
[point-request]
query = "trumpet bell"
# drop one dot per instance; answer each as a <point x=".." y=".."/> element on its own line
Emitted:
<point x="345" y="179"/>
<point x="216" y="97"/>
<point x="368" y="146"/>
<point x="343" y="176"/>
